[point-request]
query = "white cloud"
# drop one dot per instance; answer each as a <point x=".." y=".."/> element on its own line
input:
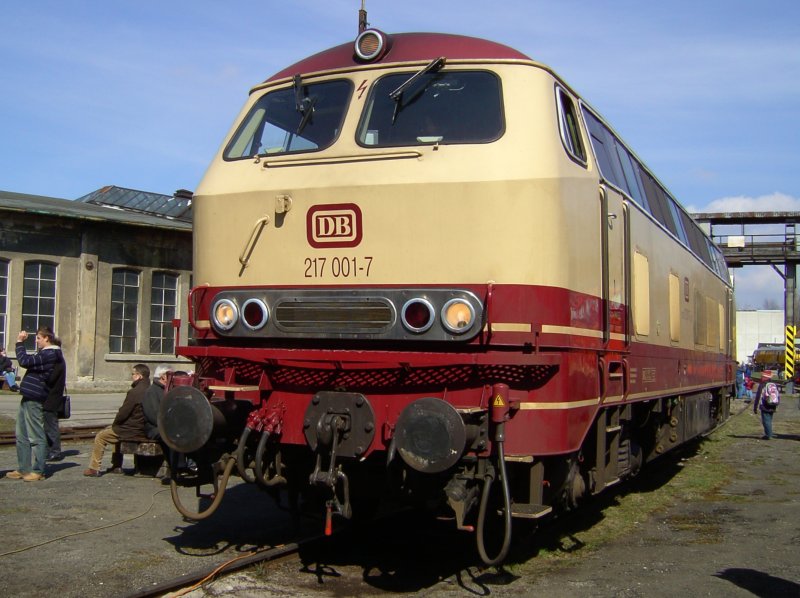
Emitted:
<point x="773" y="202"/>
<point x="757" y="287"/>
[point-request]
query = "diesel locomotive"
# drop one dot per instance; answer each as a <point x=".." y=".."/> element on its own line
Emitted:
<point x="427" y="271"/>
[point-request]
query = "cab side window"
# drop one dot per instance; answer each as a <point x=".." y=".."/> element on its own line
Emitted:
<point x="569" y="127"/>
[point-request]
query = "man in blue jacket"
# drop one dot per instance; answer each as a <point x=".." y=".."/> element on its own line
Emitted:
<point x="31" y="438"/>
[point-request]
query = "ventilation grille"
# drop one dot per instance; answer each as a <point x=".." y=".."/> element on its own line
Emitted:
<point x="323" y="316"/>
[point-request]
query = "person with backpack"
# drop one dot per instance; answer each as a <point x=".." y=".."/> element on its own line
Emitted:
<point x="768" y="397"/>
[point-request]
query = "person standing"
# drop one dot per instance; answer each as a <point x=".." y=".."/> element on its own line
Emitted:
<point x="767" y="399"/>
<point x="739" y="381"/>
<point x="128" y="424"/>
<point x="55" y="396"/>
<point x="31" y="438"/>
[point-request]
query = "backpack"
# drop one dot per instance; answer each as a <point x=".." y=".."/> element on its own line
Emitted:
<point x="771" y="395"/>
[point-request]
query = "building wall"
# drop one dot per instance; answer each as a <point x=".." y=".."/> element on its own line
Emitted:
<point x="753" y="327"/>
<point x="86" y="252"/>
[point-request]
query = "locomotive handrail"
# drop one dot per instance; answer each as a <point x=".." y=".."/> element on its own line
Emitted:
<point x="372" y="156"/>
<point x="244" y="258"/>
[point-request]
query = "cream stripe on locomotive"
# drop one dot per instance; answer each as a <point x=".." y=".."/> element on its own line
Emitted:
<point x="536" y="405"/>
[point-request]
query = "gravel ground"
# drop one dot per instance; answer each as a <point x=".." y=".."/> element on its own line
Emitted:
<point x="116" y="535"/>
<point x="742" y="540"/>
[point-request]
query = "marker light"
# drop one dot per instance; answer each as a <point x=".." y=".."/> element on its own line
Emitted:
<point x="458" y="316"/>
<point x="417" y="315"/>
<point x="255" y="314"/>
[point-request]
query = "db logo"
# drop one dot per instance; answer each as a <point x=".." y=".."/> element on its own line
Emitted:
<point x="334" y="225"/>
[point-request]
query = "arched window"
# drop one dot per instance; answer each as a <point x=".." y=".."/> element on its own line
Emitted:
<point x="38" y="299"/>
<point x="124" y="311"/>
<point x="163" y="309"/>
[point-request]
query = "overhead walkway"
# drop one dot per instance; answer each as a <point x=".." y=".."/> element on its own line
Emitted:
<point x="759" y="238"/>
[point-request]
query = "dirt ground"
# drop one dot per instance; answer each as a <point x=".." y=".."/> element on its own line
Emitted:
<point x="116" y="535"/>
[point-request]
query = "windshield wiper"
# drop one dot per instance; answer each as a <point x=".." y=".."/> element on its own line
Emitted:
<point x="397" y="94"/>
<point x="304" y="105"/>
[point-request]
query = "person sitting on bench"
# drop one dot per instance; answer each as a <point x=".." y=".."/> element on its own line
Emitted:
<point x="128" y="424"/>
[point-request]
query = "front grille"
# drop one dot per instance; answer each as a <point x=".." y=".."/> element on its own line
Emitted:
<point x="334" y="316"/>
<point x="388" y="379"/>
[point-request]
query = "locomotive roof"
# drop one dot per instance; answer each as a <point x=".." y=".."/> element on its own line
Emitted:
<point x="406" y="47"/>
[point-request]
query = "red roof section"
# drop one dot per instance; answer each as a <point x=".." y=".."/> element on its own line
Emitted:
<point x="406" y="47"/>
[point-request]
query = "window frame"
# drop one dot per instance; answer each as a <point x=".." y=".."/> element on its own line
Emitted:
<point x="4" y="277"/>
<point x="367" y="111"/>
<point x="124" y="348"/>
<point x="569" y="135"/>
<point x="32" y="321"/>
<point x="248" y="121"/>
<point x="164" y="324"/>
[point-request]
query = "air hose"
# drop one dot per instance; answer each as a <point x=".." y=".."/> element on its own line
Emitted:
<point x="220" y="492"/>
<point x="487" y="486"/>
<point x="241" y="466"/>
<point x="262" y="477"/>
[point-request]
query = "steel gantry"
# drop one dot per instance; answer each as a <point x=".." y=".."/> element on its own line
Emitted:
<point x="760" y="238"/>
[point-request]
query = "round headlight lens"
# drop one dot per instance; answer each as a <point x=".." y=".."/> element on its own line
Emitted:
<point x="225" y="314"/>
<point x="369" y="44"/>
<point x="255" y="314"/>
<point x="458" y="316"/>
<point x="417" y="315"/>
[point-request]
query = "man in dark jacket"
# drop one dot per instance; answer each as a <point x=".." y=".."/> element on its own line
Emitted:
<point x="31" y="438"/>
<point x="55" y="398"/>
<point x="128" y="424"/>
<point x="152" y="401"/>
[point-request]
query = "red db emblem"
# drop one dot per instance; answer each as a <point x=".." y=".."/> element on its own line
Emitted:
<point x="334" y="225"/>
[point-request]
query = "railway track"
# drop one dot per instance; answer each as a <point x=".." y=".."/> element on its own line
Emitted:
<point x="67" y="433"/>
<point x="191" y="581"/>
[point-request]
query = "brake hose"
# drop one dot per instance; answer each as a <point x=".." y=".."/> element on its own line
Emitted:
<point x="240" y="457"/>
<point x="226" y="474"/>
<point x="487" y="485"/>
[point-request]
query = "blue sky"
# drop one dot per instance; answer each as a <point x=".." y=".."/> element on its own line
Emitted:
<point x="140" y="94"/>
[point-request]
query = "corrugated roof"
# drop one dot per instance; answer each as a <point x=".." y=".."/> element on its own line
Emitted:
<point x="178" y="206"/>
<point x="53" y="206"/>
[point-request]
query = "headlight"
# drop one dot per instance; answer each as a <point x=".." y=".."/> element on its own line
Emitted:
<point x="458" y="316"/>
<point x="370" y="44"/>
<point x="255" y="314"/>
<point x="417" y="314"/>
<point x="225" y="314"/>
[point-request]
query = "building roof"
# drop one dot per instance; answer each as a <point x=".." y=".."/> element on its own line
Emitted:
<point x="80" y="210"/>
<point x="178" y="206"/>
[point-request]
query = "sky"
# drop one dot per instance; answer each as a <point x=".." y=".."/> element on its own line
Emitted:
<point x="141" y="94"/>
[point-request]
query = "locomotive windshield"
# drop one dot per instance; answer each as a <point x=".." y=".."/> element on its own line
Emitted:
<point x="439" y="107"/>
<point x="299" y="119"/>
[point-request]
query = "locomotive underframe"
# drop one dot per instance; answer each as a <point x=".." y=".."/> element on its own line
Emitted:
<point x="337" y="443"/>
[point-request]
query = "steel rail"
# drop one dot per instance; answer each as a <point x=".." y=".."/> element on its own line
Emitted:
<point x="212" y="572"/>
<point x="73" y="433"/>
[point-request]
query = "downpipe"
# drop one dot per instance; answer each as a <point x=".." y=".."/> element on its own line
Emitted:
<point x="500" y="410"/>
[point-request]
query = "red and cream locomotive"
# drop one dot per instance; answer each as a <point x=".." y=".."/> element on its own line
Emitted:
<point x="425" y="269"/>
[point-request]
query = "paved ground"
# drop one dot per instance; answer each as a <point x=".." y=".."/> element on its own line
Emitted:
<point x="112" y="536"/>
